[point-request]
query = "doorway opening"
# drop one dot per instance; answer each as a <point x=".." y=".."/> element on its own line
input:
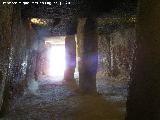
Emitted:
<point x="56" y="58"/>
<point x="56" y="62"/>
<point x="58" y="52"/>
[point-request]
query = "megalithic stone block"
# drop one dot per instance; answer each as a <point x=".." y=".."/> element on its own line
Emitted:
<point x="87" y="45"/>
<point x="144" y="92"/>
<point x="70" y="52"/>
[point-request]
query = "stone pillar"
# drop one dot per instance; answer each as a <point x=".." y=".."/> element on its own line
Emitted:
<point x="144" y="91"/>
<point x="70" y="49"/>
<point x="70" y="52"/>
<point x="88" y="55"/>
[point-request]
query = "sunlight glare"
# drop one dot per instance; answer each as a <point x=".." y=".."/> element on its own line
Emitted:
<point x="57" y="60"/>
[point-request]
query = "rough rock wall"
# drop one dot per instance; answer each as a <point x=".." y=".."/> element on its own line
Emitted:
<point x="16" y="41"/>
<point x="5" y="43"/>
<point x="144" y="91"/>
<point x="116" y="46"/>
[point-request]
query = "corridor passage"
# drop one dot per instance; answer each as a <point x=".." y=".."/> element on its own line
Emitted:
<point x="80" y="60"/>
<point x="59" y="100"/>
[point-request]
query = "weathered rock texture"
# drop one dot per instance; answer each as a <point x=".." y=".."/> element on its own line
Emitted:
<point x="88" y="54"/>
<point x="5" y="43"/>
<point x="116" y="44"/>
<point x="70" y="49"/>
<point x="144" y="97"/>
<point x="17" y="54"/>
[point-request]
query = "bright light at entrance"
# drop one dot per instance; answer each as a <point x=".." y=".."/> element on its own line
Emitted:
<point x="56" y="60"/>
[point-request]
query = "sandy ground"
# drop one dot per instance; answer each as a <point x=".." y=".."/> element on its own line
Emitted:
<point x="59" y="100"/>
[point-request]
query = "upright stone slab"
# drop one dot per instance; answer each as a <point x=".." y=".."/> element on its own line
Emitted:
<point x="144" y="92"/>
<point x="88" y="56"/>
<point x="70" y="49"/>
<point x="70" y="52"/>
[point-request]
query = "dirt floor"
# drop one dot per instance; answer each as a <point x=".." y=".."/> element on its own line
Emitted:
<point x="59" y="100"/>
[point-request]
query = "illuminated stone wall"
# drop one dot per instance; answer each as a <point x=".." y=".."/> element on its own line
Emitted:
<point x="116" y="45"/>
